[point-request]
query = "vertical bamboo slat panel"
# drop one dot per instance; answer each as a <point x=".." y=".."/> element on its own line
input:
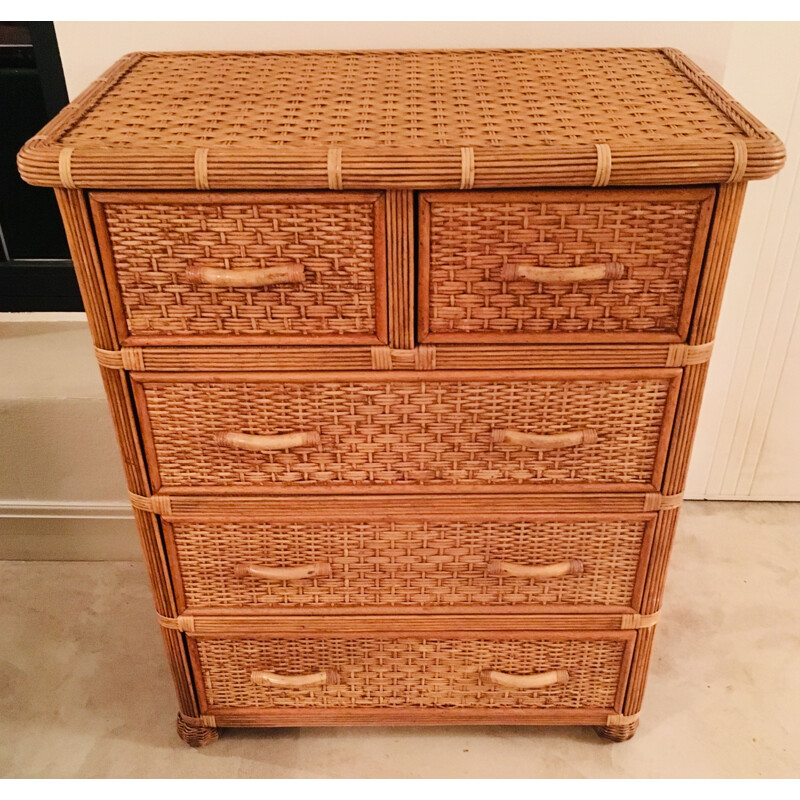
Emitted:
<point x="400" y="267"/>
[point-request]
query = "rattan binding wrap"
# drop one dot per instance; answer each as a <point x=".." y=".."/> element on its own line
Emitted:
<point x="393" y="119"/>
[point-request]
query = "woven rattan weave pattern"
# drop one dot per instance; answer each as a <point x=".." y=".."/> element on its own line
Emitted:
<point x="337" y="246"/>
<point x="403" y="429"/>
<point x="476" y="239"/>
<point x="410" y="564"/>
<point x="400" y="99"/>
<point x="410" y="671"/>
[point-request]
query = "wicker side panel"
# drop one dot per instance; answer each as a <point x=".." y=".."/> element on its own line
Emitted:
<point x="410" y="564"/>
<point x="338" y="242"/>
<point x="403" y="431"/>
<point x="413" y="672"/>
<point x="654" y="240"/>
<point x="400" y="267"/>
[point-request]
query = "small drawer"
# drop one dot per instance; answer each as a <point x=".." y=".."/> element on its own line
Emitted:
<point x="561" y="265"/>
<point x="386" y="672"/>
<point x="213" y="268"/>
<point x="370" y="556"/>
<point x="407" y="431"/>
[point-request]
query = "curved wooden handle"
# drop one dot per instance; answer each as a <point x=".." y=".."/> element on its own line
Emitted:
<point x="243" y="278"/>
<point x="318" y="570"/>
<point x="545" y="441"/>
<point x="282" y="441"/>
<point x="538" y="680"/>
<point x="560" y="569"/>
<point x="591" y="272"/>
<point x="327" y="677"/>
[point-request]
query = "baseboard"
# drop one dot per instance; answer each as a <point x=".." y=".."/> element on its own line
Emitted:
<point x="68" y="532"/>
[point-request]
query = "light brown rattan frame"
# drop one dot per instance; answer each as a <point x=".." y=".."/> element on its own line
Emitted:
<point x="727" y="163"/>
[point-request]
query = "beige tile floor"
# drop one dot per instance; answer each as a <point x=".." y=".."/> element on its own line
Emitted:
<point x="85" y="692"/>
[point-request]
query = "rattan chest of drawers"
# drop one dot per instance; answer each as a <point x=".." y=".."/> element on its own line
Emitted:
<point x="405" y="352"/>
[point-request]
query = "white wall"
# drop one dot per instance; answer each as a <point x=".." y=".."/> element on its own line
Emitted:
<point x="748" y="442"/>
<point x="88" y="48"/>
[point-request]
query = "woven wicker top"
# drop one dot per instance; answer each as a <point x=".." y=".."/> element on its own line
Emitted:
<point x="401" y="118"/>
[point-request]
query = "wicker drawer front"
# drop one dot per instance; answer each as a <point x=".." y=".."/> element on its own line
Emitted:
<point x="280" y="268"/>
<point x="602" y="265"/>
<point x="393" y="563"/>
<point x="387" y="671"/>
<point x="399" y="431"/>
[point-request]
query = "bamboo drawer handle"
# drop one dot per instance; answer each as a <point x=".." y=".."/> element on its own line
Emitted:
<point x="560" y="569"/>
<point x="318" y="570"/>
<point x="326" y="677"/>
<point x="539" y="680"/>
<point x="591" y="272"/>
<point x="243" y="278"/>
<point x="282" y="441"/>
<point x="544" y="441"/>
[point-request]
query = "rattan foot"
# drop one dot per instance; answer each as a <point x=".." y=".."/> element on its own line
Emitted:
<point x="194" y="734"/>
<point x="618" y="733"/>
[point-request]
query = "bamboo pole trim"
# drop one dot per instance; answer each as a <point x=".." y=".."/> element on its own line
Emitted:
<point x="201" y="169"/>
<point x="639" y="621"/>
<point x="335" y="168"/>
<point x="467" y="167"/>
<point x="602" y="175"/>
<point x="65" y="167"/>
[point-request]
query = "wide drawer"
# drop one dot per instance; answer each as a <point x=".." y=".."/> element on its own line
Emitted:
<point x="407" y="431"/>
<point x="560" y="265"/>
<point x="410" y="555"/>
<point x="301" y="268"/>
<point x="391" y="671"/>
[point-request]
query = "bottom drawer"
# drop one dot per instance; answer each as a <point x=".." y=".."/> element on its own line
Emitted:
<point x="292" y="677"/>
